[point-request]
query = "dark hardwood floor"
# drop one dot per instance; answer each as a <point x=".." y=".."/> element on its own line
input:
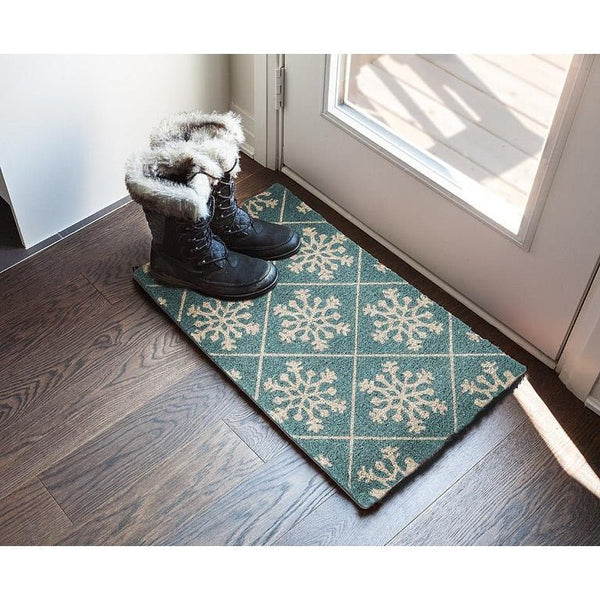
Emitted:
<point x="115" y="430"/>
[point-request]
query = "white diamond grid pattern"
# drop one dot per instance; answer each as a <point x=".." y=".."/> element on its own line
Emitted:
<point x="355" y="355"/>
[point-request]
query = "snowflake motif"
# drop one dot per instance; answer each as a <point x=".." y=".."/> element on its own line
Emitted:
<point x="303" y="208"/>
<point x="234" y="374"/>
<point x="320" y="253"/>
<point x="226" y="321"/>
<point x="161" y="301"/>
<point x="315" y="320"/>
<point x="254" y="206"/>
<point x="381" y="267"/>
<point x="402" y="397"/>
<point x="406" y="322"/>
<point x="323" y="460"/>
<point x="488" y="384"/>
<point x="310" y="397"/>
<point x="385" y="473"/>
<point x="473" y="336"/>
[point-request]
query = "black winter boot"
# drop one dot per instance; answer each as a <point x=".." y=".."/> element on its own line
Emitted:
<point x="187" y="254"/>
<point x="240" y="232"/>
<point x="175" y="193"/>
<point x="221" y="136"/>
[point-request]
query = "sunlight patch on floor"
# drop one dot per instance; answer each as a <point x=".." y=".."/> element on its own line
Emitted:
<point x="564" y="450"/>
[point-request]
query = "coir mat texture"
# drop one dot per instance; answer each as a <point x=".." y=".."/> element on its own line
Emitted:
<point x="358" y="368"/>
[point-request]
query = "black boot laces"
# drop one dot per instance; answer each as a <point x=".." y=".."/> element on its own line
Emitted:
<point x="201" y="240"/>
<point x="228" y="209"/>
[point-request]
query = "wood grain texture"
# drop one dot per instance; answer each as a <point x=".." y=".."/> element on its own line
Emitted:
<point x="78" y="253"/>
<point x="144" y="442"/>
<point x="148" y="510"/>
<point x="259" y="510"/>
<point x="338" y="522"/>
<point x="50" y="367"/>
<point x="257" y="431"/>
<point x="111" y="273"/>
<point x="88" y="477"/>
<point x="84" y="354"/>
<point x="24" y="326"/>
<point x="135" y="366"/>
<point x="572" y="520"/>
<point x="31" y="517"/>
<point x="497" y="496"/>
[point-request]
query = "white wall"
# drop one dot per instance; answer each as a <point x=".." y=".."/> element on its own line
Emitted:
<point x="68" y="122"/>
<point x="241" y="87"/>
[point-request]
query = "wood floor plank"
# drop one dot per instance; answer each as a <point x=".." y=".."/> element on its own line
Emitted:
<point x="572" y="519"/>
<point x="148" y="510"/>
<point x="256" y="431"/>
<point x="79" y="252"/>
<point x="562" y="61"/>
<point x="460" y="134"/>
<point x="462" y="98"/>
<point x="497" y="496"/>
<point x="249" y="169"/>
<point x="23" y="324"/>
<point x="83" y="351"/>
<point x="263" y="507"/>
<point x="126" y="451"/>
<point x="254" y="185"/>
<point x="111" y="272"/>
<point x="338" y="522"/>
<point x="31" y="517"/>
<point x="520" y="95"/>
<point x="150" y="360"/>
<point x="49" y="368"/>
<point x="44" y="320"/>
<point x="533" y="69"/>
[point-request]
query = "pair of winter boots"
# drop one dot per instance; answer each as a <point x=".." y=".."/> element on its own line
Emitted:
<point x="201" y="238"/>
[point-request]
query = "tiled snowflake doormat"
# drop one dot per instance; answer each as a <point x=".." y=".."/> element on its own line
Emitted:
<point x="362" y="371"/>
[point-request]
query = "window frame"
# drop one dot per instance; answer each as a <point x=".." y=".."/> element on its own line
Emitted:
<point x="446" y="180"/>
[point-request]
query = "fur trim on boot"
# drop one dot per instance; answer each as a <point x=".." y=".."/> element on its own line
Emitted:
<point x="174" y="180"/>
<point x="222" y="131"/>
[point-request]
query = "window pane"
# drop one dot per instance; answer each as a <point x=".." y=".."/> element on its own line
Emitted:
<point x="485" y="116"/>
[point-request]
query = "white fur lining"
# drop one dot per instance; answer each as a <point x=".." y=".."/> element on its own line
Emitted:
<point x="221" y="131"/>
<point x="173" y="180"/>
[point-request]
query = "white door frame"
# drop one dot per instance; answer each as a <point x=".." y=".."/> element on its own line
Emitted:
<point x="268" y="120"/>
<point x="578" y="364"/>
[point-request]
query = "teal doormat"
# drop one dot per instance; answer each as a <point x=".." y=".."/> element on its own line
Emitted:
<point x="358" y="368"/>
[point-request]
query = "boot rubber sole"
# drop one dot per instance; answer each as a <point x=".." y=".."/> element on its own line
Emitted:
<point x="286" y="254"/>
<point x="173" y="281"/>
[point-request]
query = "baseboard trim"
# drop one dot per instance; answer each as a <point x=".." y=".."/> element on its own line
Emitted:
<point x="247" y="147"/>
<point x="593" y="404"/>
<point x="515" y="337"/>
<point x="22" y="254"/>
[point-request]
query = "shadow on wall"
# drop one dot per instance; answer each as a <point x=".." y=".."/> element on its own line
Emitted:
<point x="9" y="233"/>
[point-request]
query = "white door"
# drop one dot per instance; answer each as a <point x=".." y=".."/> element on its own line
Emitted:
<point x="529" y="274"/>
